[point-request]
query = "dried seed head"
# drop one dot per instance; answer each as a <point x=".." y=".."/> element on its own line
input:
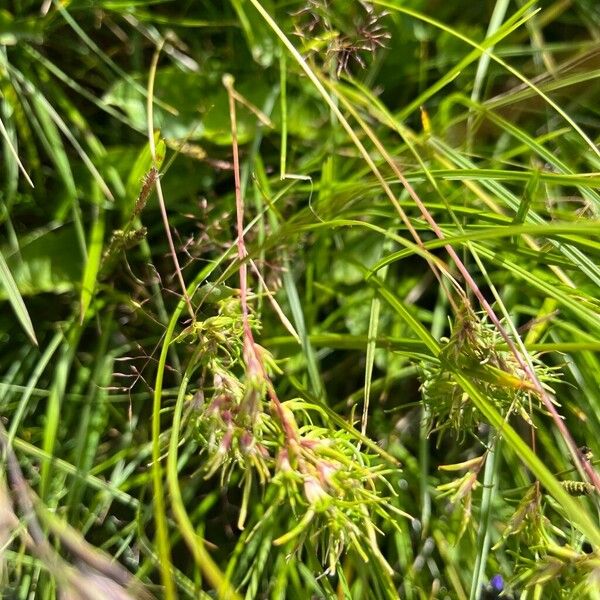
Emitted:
<point x="147" y="185"/>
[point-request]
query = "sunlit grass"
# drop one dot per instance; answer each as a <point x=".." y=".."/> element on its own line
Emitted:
<point x="359" y="360"/>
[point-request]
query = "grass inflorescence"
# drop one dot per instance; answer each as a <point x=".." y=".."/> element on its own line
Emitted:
<point x="300" y="300"/>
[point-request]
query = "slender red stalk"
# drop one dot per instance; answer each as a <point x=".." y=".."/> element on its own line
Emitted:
<point x="251" y="354"/>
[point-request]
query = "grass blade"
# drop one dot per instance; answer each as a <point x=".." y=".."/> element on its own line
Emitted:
<point x="16" y="299"/>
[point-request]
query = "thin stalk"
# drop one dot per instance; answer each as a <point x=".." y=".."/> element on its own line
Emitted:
<point x="251" y="355"/>
<point x="490" y="483"/>
<point x="162" y="532"/>
<point x="159" y="191"/>
<point x="196" y="545"/>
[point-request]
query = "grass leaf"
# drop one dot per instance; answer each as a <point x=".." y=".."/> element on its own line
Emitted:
<point x="16" y="300"/>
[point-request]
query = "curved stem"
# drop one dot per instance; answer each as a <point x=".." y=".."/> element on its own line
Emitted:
<point x="194" y="542"/>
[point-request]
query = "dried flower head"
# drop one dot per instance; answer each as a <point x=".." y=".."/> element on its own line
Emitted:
<point x="343" y="42"/>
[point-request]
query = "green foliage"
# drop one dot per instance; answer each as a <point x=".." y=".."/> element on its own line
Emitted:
<point x="391" y="407"/>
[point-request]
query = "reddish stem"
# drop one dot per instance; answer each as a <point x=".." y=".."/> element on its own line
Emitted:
<point x="252" y="357"/>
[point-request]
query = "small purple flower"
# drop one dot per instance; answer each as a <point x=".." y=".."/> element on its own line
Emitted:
<point x="497" y="583"/>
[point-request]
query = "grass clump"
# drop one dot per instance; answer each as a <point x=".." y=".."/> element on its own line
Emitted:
<point x="300" y="300"/>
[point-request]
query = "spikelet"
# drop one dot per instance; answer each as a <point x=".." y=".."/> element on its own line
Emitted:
<point x="578" y="488"/>
<point x="147" y="185"/>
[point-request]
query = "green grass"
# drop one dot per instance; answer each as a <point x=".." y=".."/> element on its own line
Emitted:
<point x="300" y="299"/>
